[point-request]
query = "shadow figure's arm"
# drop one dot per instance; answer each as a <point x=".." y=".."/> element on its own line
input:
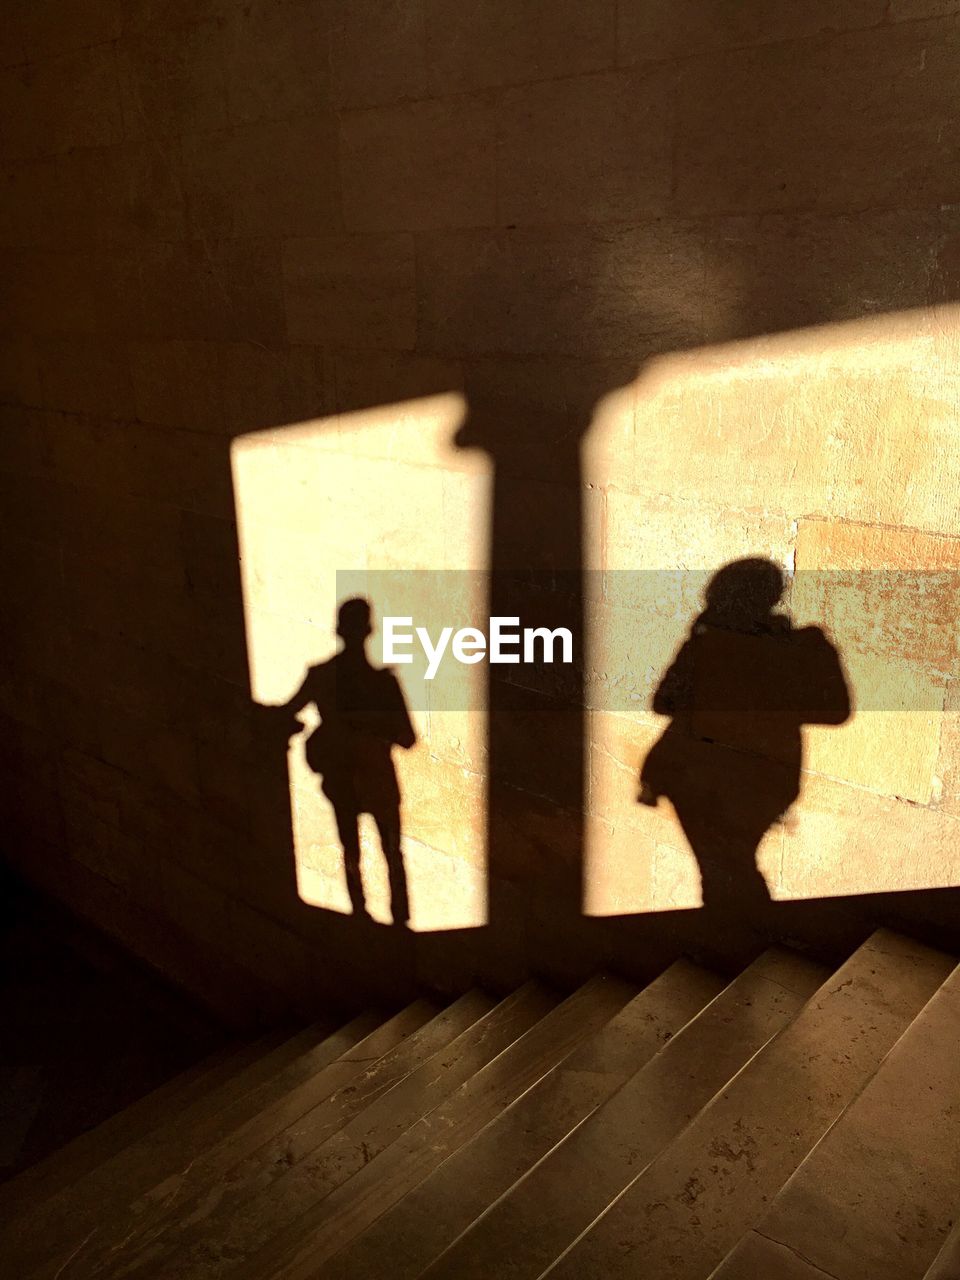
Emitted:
<point x="674" y="693"/>
<point x="286" y="712"/>
<point x="832" y="703"/>
<point x="402" y="732"/>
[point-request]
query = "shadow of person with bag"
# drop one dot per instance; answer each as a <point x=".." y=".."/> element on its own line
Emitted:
<point x="363" y="716"/>
<point x="739" y="691"/>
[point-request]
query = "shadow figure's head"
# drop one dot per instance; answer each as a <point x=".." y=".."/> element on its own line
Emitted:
<point x="354" y="621"/>
<point x="744" y="593"/>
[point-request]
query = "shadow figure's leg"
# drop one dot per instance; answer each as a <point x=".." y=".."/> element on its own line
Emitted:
<point x="729" y="878"/>
<point x="388" y="824"/>
<point x="348" y="829"/>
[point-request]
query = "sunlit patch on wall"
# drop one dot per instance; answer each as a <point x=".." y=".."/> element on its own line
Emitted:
<point x="832" y="452"/>
<point x="373" y="490"/>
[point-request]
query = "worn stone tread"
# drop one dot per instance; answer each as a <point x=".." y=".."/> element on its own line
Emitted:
<point x="686" y="1209"/>
<point x="243" y="1221"/>
<point x="177" y="1212"/>
<point x="84" y="1153"/>
<point x="946" y="1265"/>
<point x="304" y="1249"/>
<point x="757" y="1258"/>
<point x="70" y="1222"/>
<point x="538" y="1218"/>
<point x="876" y="1197"/>
<point x="420" y="1226"/>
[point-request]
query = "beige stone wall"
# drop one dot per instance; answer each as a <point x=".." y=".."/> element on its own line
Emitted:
<point x="686" y="274"/>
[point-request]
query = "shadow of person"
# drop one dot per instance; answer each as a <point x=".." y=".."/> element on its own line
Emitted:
<point x="363" y="716"/>
<point x="740" y="689"/>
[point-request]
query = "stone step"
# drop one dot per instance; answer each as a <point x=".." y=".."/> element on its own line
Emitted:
<point x="762" y="1259"/>
<point x="876" y="1197"/>
<point x="419" y="1227"/>
<point x="253" y="1213"/>
<point x="687" y="1209"/>
<point x="946" y="1265"/>
<point x="70" y="1223"/>
<point x="84" y="1153"/>
<point x="176" y="1212"/>
<point x="305" y="1248"/>
<point x="538" y="1218"/>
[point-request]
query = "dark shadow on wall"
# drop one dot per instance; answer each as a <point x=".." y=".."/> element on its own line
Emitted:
<point x="545" y="323"/>
<point x="363" y="716"/>
<point x="746" y="680"/>
<point x="706" y="192"/>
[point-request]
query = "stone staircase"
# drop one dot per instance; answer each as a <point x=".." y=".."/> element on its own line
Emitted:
<point x="792" y="1124"/>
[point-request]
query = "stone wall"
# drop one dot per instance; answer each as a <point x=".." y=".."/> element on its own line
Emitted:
<point x="414" y="284"/>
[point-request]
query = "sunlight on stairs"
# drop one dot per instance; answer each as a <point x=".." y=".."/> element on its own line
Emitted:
<point x="792" y="1124"/>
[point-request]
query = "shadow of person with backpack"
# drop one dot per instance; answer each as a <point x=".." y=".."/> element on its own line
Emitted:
<point x="739" y="691"/>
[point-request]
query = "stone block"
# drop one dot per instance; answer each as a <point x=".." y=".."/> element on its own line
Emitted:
<point x="378" y="52"/>
<point x="154" y="205"/>
<point x="167" y="757"/>
<point x="346" y="292"/>
<point x="445" y="892"/>
<point x="95" y="197"/>
<point x="199" y="910"/>
<point x="73" y="200"/>
<point x="838" y="269"/>
<point x="847" y="841"/>
<point x="402" y="407"/>
<point x="419" y="165"/>
<point x="25" y="443"/>
<point x="276" y="60"/>
<point x="534" y="847"/>
<point x="457" y="736"/>
<point x="264" y="387"/>
<point x="651" y="30"/>
<point x="127" y="529"/>
<point x="444" y="805"/>
<point x="140" y="16"/>
<point x="618" y="744"/>
<point x="60" y="103"/>
<point x="662" y="535"/>
<point x="51" y="27"/>
<point x="595" y="292"/>
<point x="466" y="520"/>
<point x="744" y="427"/>
<point x="946" y="783"/>
<point x="586" y="149"/>
<point x="621" y="865"/>
<point x="280" y="959"/>
<point x="266" y="179"/>
<point x="172" y="81"/>
<point x="224" y="290"/>
<point x="87" y="377"/>
<point x="91" y="790"/>
<point x="53" y="294"/>
<point x="12" y="42"/>
<point x="863" y="13"/>
<point x="19" y="373"/>
<point x="866" y="118"/>
<point x="177" y="384"/>
<point x="889" y="593"/>
<point x="180" y="467"/>
<point x="910" y="10"/>
<point x="484" y="45"/>
<point x="890" y="744"/>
